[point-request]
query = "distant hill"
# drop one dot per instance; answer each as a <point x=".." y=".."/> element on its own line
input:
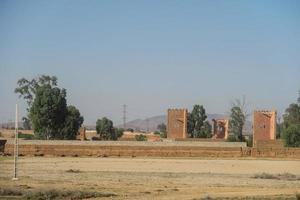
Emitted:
<point x="148" y="124"/>
<point x="152" y="122"/>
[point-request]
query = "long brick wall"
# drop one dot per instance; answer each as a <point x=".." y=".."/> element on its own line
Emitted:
<point x="130" y="151"/>
<point x="162" y="150"/>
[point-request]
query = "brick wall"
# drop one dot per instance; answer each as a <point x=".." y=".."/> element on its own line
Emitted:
<point x="131" y="151"/>
<point x="126" y="150"/>
<point x="177" y="123"/>
<point x="264" y="125"/>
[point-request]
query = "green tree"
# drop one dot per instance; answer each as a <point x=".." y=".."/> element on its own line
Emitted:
<point x="47" y="108"/>
<point x="118" y="133"/>
<point x="198" y="126"/>
<point x="292" y="115"/>
<point x="291" y="135"/>
<point x="73" y="122"/>
<point x="106" y="130"/>
<point x="291" y="125"/>
<point x="48" y="112"/>
<point x="28" y="88"/>
<point x="162" y="128"/>
<point x="140" y="137"/>
<point x="236" y="122"/>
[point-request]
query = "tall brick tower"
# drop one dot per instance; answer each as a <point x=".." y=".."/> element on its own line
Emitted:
<point x="264" y="125"/>
<point x="177" y="123"/>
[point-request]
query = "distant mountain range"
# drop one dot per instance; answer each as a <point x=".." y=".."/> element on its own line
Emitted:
<point x="150" y="124"/>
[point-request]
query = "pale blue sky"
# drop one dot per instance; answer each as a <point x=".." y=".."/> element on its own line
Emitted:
<point x="152" y="55"/>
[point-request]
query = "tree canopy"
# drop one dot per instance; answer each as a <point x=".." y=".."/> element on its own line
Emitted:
<point x="48" y="112"/>
<point x="291" y="125"/>
<point x="236" y="122"/>
<point x="198" y="126"/>
<point x="106" y="130"/>
<point x="162" y="130"/>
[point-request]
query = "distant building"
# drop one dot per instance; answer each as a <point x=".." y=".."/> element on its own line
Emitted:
<point x="177" y="123"/>
<point x="220" y="128"/>
<point x="264" y="125"/>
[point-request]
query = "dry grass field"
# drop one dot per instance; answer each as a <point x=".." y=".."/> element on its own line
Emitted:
<point x="146" y="178"/>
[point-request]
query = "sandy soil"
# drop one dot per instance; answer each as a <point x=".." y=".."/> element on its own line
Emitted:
<point x="145" y="178"/>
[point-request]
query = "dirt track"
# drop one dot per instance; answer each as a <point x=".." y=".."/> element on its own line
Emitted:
<point x="144" y="178"/>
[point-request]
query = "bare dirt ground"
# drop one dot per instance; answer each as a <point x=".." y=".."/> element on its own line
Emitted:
<point x="147" y="178"/>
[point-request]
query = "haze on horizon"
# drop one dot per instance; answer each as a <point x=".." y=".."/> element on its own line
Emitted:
<point x="152" y="55"/>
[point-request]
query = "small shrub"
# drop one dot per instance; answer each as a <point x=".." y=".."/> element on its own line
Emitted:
<point x="156" y="133"/>
<point x="58" y="195"/>
<point x="10" y="192"/>
<point x="265" y="176"/>
<point x="94" y="138"/>
<point x="73" y="171"/>
<point x="284" y="176"/>
<point x="130" y="130"/>
<point x="163" y="135"/>
<point x="140" y="137"/>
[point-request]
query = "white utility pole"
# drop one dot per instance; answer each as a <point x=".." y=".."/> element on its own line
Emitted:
<point x="16" y="149"/>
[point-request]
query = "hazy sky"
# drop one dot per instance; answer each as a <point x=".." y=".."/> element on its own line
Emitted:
<point x="152" y="55"/>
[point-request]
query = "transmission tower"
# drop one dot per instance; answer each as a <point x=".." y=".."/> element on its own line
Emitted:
<point x="124" y="116"/>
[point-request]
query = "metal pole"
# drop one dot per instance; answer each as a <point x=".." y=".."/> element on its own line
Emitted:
<point x="16" y="149"/>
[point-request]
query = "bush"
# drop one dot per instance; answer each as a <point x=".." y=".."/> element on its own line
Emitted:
<point x="95" y="138"/>
<point x="284" y="176"/>
<point x="130" y="130"/>
<point x="291" y="136"/>
<point x="163" y="135"/>
<point x="140" y="137"/>
<point x="156" y="133"/>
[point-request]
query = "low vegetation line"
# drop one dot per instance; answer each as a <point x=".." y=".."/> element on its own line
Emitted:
<point x="51" y="194"/>
<point x="284" y="176"/>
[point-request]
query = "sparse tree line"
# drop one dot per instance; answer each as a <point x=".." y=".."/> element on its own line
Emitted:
<point x="51" y="118"/>
<point x="49" y="115"/>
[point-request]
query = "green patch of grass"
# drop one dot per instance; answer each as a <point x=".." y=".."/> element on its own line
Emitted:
<point x="26" y="136"/>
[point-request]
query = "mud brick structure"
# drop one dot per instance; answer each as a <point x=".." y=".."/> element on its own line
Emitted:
<point x="177" y="123"/>
<point x="264" y="125"/>
<point x="220" y="128"/>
